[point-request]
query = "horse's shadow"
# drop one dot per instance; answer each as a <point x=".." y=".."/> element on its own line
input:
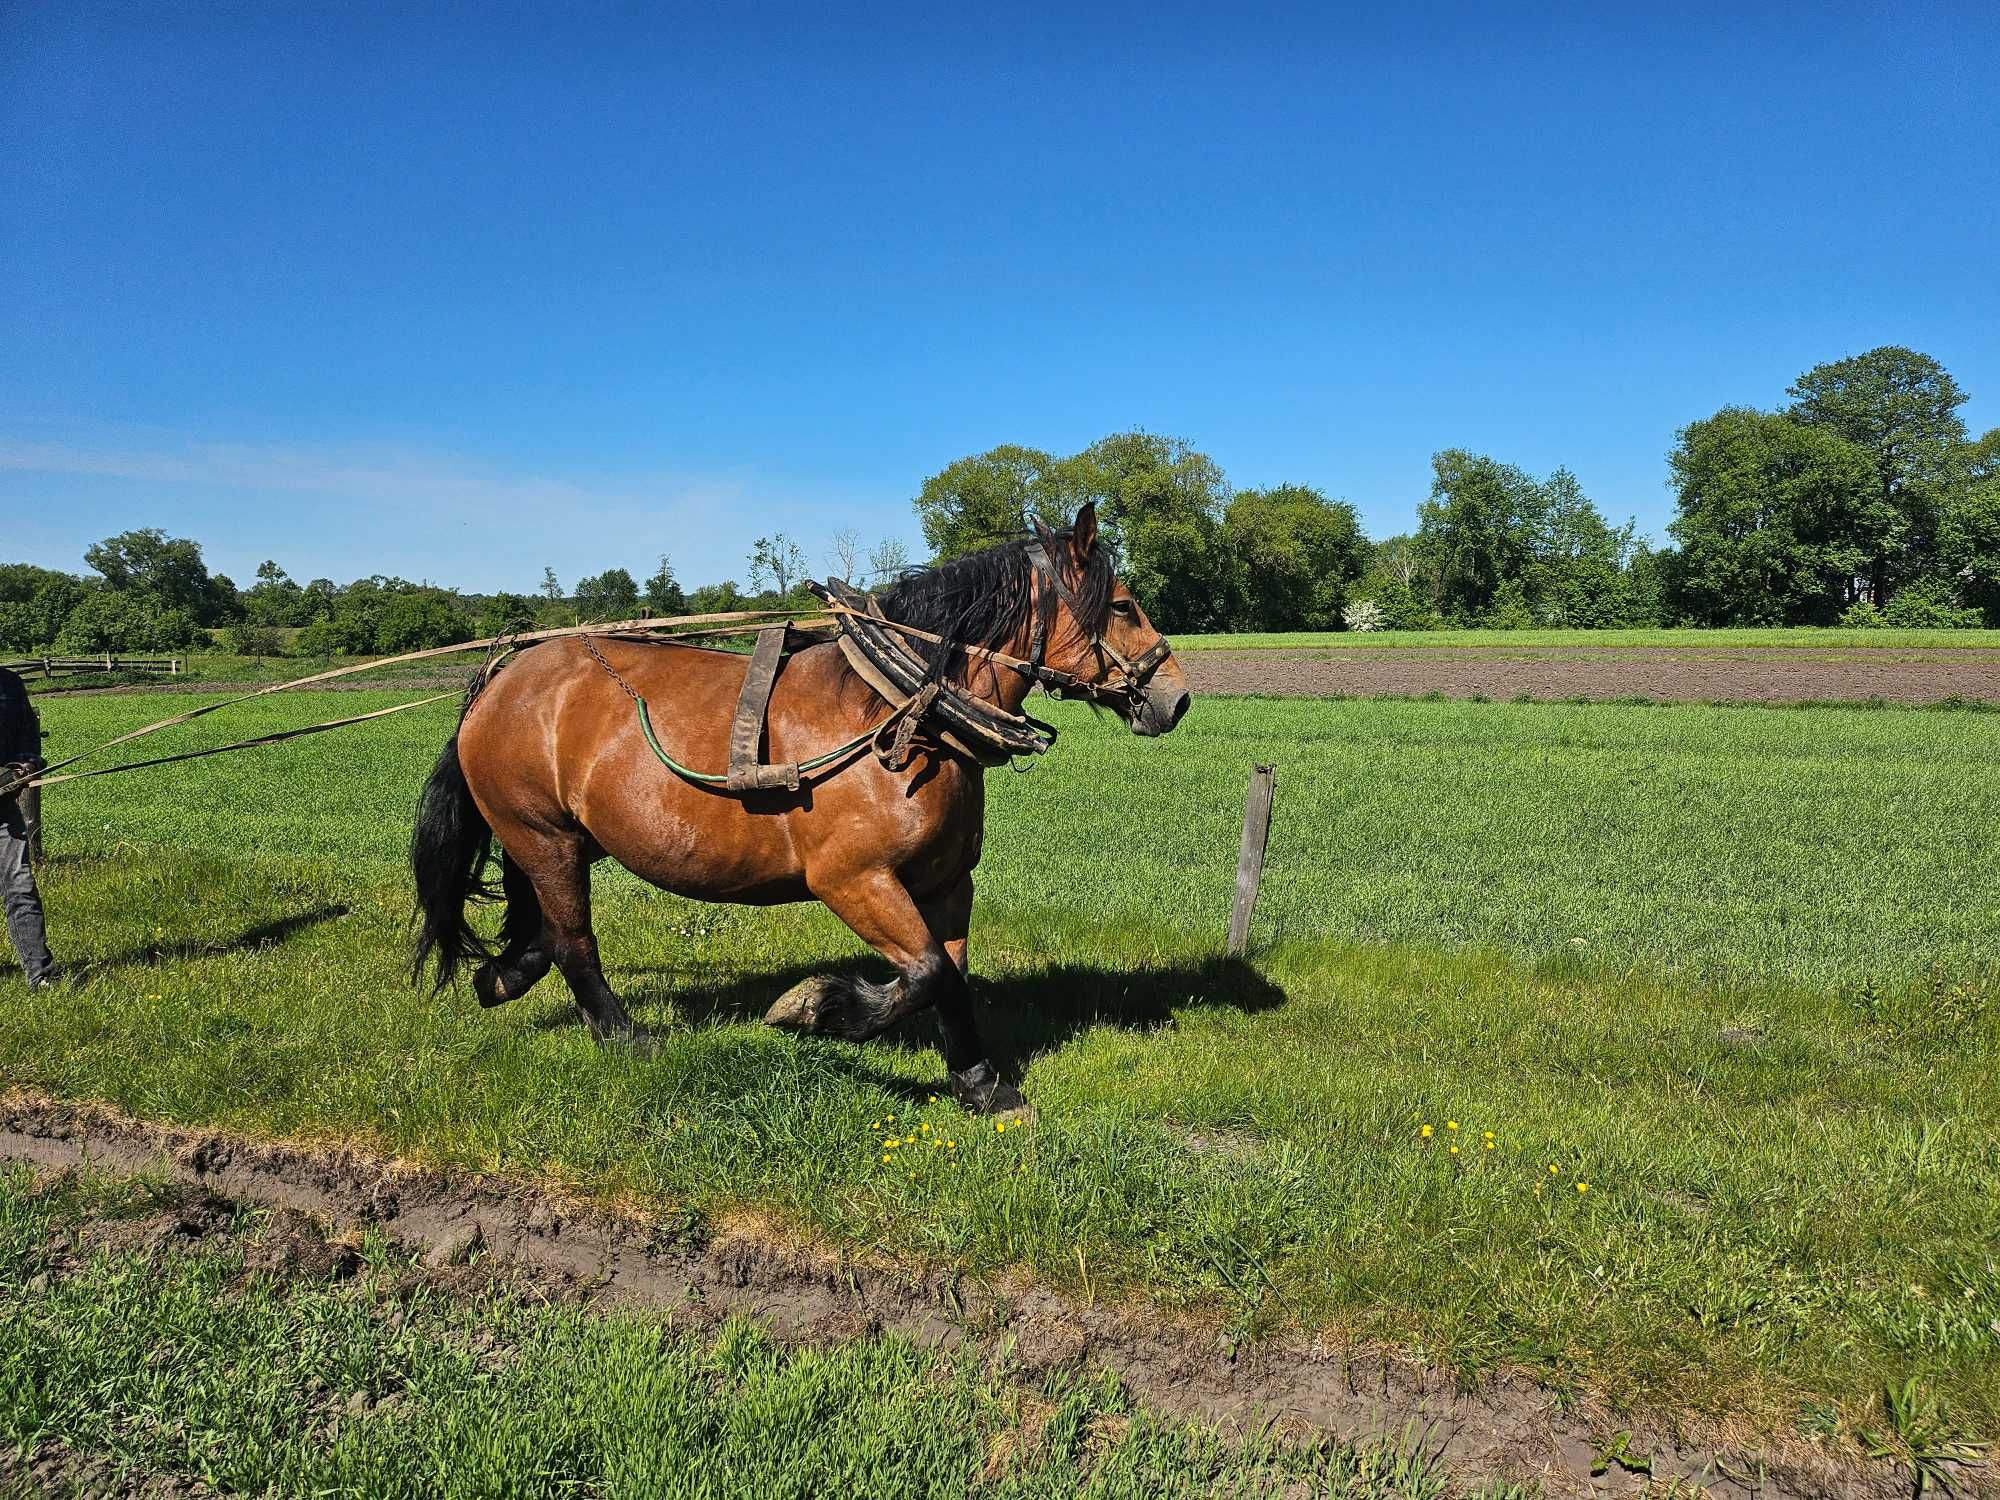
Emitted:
<point x="1021" y="1014"/>
<point x="259" y="935"/>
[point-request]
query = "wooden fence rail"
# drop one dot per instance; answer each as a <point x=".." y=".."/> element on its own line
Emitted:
<point x="64" y="666"/>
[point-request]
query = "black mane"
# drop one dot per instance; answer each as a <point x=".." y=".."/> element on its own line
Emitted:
<point x="983" y="599"/>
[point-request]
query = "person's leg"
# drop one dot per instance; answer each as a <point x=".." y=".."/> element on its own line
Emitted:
<point x="22" y="901"/>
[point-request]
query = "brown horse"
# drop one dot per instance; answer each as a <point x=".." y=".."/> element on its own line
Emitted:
<point x="549" y="759"/>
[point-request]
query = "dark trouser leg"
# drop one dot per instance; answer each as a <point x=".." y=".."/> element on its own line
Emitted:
<point x="23" y="902"/>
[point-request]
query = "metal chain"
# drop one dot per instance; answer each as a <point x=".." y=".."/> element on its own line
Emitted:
<point x="591" y="646"/>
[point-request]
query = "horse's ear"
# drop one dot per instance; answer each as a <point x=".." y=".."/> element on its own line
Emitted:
<point x="1083" y="534"/>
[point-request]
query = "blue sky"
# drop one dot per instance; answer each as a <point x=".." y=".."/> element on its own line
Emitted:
<point x="456" y="293"/>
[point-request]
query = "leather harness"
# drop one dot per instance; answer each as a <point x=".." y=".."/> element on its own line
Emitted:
<point x="921" y="701"/>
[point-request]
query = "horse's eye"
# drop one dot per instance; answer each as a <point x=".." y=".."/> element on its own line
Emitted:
<point x="1122" y="607"/>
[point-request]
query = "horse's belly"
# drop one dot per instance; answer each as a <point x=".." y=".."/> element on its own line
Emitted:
<point x="726" y="855"/>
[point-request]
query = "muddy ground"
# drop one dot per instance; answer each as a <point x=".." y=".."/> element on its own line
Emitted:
<point x="1505" y="1426"/>
<point x="1679" y="674"/>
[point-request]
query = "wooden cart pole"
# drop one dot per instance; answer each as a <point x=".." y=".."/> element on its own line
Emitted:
<point x="1250" y="856"/>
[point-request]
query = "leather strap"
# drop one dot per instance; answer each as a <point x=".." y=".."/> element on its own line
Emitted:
<point x="746" y="732"/>
<point x="978" y="730"/>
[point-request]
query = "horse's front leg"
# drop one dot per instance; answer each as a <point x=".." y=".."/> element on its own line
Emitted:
<point x="928" y="961"/>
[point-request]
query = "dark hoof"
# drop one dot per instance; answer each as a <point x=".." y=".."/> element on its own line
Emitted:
<point x="487" y="988"/>
<point x="981" y="1091"/>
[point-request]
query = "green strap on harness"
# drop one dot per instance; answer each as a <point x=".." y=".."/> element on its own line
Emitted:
<point x="705" y="778"/>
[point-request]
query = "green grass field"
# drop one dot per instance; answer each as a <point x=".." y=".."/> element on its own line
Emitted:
<point x="1720" y="983"/>
<point x="384" y="1385"/>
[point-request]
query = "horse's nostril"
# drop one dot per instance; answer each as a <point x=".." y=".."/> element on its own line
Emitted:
<point x="1180" y="707"/>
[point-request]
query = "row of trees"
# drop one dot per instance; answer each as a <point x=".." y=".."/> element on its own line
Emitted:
<point x="153" y="592"/>
<point x="1492" y="546"/>
<point x="1864" y="500"/>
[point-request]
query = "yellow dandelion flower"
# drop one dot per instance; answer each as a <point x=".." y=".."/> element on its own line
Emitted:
<point x="936" y="1144"/>
<point x="933" y="1098"/>
<point x="1451" y="1124"/>
<point x="1487" y="1133"/>
<point x="1454" y="1150"/>
<point x="951" y="1145"/>
<point x="892" y="1119"/>
<point x="1425" y="1132"/>
<point x="1489" y="1145"/>
<point x="927" y="1127"/>
<point x="875" y="1125"/>
<point x="998" y="1126"/>
<point x="1583" y="1187"/>
<point x="887" y="1157"/>
<point x="1554" y="1170"/>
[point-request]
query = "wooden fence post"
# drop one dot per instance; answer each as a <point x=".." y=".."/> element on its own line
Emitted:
<point x="1250" y="856"/>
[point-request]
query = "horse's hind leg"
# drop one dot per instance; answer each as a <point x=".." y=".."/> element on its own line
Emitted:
<point x="524" y="957"/>
<point x="560" y="872"/>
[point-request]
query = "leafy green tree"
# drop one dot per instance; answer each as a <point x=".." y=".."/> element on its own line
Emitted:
<point x="1777" y="520"/>
<point x="501" y="614"/>
<point x="663" y="592"/>
<point x="551" y="586"/>
<point x="1292" y="555"/>
<point x="354" y="625"/>
<point x="717" y="598"/>
<point x="1901" y="409"/>
<point x="1477" y="531"/>
<point x="34" y="604"/>
<point x="1577" y="579"/>
<point x="1969" y="531"/>
<point x="1648" y="575"/>
<point x="321" y="638"/>
<point x="1160" y="503"/>
<point x="986" y="498"/>
<point x="248" y="638"/>
<point x="778" y="563"/>
<point x="126" y="620"/>
<point x="274" y="600"/>
<point x="167" y="569"/>
<point x="316" y="599"/>
<point x="610" y="595"/>
<point x="418" y="619"/>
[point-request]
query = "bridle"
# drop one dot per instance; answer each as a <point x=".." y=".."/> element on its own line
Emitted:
<point x="882" y="653"/>
<point x="1133" y="672"/>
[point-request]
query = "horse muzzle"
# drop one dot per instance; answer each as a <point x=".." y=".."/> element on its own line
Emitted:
<point x="1157" y="708"/>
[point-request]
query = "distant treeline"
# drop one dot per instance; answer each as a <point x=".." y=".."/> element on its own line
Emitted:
<point x="1864" y="501"/>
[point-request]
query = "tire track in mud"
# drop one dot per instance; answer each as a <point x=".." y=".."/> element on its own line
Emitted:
<point x="1508" y="1427"/>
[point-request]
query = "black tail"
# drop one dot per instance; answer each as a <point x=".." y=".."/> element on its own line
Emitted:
<point x="448" y="853"/>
